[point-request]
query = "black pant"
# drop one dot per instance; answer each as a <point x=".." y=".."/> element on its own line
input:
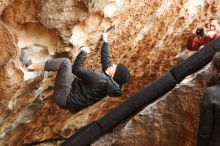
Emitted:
<point x="63" y="81"/>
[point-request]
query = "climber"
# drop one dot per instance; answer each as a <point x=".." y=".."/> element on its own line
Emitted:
<point x="209" y="123"/>
<point x="89" y="86"/>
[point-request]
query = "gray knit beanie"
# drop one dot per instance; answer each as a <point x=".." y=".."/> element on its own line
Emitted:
<point x="122" y="75"/>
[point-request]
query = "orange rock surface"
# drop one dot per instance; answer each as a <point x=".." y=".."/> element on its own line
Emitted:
<point x="147" y="36"/>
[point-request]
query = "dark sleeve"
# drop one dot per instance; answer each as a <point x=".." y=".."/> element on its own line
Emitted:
<point x="113" y="89"/>
<point x="105" y="56"/>
<point x="82" y="72"/>
<point x="115" y="93"/>
<point x="205" y="122"/>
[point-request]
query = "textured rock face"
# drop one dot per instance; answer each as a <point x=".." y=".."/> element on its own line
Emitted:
<point x="3" y="4"/>
<point x="10" y="76"/>
<point x="62" y="15"/>
<point x="147" y="37"/>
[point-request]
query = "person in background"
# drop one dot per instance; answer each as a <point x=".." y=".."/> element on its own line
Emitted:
<point x="209" y="122"/>
<point x="214" y="27"/>
<point x="195" y="42"/>
<point x="202" y="37"/>
<point x="200" y="40"/>
<point x="89" y="86"/>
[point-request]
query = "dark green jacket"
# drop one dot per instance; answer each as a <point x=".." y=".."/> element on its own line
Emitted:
<point x="209" y="122"/>
<point x="91" y="86"/>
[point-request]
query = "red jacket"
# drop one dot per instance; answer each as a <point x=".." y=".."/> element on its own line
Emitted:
<point x="216" y="36"/>
<point x="197" y="41"/>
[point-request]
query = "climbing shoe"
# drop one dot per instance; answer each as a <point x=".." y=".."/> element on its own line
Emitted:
<point x="25" y="60"/>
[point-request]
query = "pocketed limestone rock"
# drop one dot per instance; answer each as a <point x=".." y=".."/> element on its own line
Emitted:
<point x="146" y="38"/>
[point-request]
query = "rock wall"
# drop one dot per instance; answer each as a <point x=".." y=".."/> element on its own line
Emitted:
<point x="147" y="36"/>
